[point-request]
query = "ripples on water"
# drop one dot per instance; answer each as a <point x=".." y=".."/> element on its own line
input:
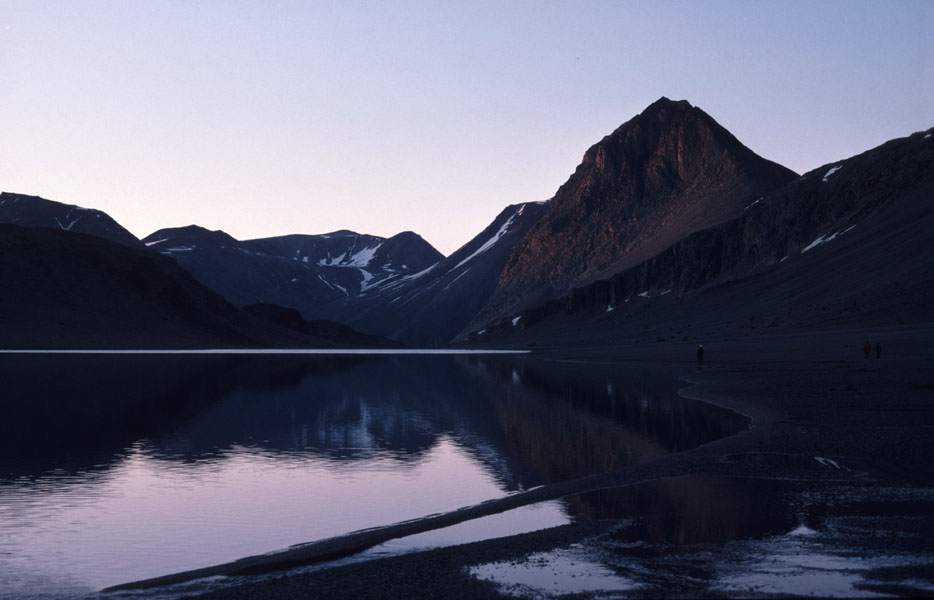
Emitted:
<point x="116" y="468"/>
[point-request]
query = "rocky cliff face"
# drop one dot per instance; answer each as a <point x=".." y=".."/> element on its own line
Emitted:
<point x="33" y="211"/>
<point x="847" y="242"/>
<point x="668" y="172"/>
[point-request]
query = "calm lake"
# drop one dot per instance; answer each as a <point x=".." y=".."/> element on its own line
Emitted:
<point x="116" y="468"/>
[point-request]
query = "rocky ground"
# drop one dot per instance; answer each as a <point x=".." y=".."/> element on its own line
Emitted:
<point x="834" y="480"/>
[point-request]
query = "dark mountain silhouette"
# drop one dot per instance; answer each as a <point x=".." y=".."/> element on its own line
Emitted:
<point x="304" y="272"/>
<point x="33" y="211"/>
<point x="669" y="229"/>
<point x="291" y="319"/>
<point x="666" y="173"/>
<point x="242" y="275"/>
<point x="431" y="307"/>
<point x="847" y="245"/>
<point x="60" y="289"/>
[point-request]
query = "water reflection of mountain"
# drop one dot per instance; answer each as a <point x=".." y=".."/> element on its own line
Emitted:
<point x="530" y="422"/>
<point x="394" y="408"/>
<point x="567" y="420"/>
<point x="391" y="406"/>
<point x="79" y="413"/>
<point x="692" y="510"/>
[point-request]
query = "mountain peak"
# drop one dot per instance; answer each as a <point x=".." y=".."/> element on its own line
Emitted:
<point x="190" y="235"/>
<point x="341" y="233"/>
<point x="664" y="103"/>
<point x="664" y="174"/>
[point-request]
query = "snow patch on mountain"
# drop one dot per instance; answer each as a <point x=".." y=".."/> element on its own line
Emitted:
<point x="448" y="286"/>
<point x="68" y="216"/>
<point x="496" y="237"/>
<point x="154" y="242"/>
<point x="824" y="238"/>
<point x="361" y="258"/>
<point x="331" y="262"/>
<point x="821" y="239"/>
<point x="364" y="257"/>
<point x="831" y="172"/>
<point x="331" y="285"/>
<point x="391" y="284"/>
<point x="419" y="274"/>
<point x="367" y="278"/>
<point x="827" y="462"/>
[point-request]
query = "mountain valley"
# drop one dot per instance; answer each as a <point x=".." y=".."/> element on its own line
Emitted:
<point x="669" y="230"/>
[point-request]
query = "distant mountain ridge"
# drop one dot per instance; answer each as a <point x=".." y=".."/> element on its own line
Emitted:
<point x="431" y="307"/>
<point x="304" y="272"/>
<point x="33" y="211"/>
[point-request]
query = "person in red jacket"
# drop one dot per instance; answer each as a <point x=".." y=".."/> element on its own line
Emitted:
<point x="867" y="348"/>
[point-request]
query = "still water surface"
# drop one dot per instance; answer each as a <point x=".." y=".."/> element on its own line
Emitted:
<point x="122" y="467"/>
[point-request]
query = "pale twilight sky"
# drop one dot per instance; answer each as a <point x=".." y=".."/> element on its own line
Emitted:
<point x="267" y="118"/>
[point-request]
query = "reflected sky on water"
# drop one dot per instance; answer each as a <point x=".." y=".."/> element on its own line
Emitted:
<point x="115" y="468"/>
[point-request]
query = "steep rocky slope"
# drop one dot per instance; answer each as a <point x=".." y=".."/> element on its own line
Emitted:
<point x="845" y="245"/>
<point x="668" y="172"/>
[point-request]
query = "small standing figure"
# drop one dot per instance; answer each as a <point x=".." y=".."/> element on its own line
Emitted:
<point x="700" y="354"/>
<point x="878" y="350"/>
<point x="867" y="348"/>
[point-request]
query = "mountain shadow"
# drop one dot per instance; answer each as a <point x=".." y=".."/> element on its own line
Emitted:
<point x="69" y="290"/>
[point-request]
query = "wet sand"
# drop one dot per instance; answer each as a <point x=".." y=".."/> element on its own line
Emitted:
<point x="822" y="417"/>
